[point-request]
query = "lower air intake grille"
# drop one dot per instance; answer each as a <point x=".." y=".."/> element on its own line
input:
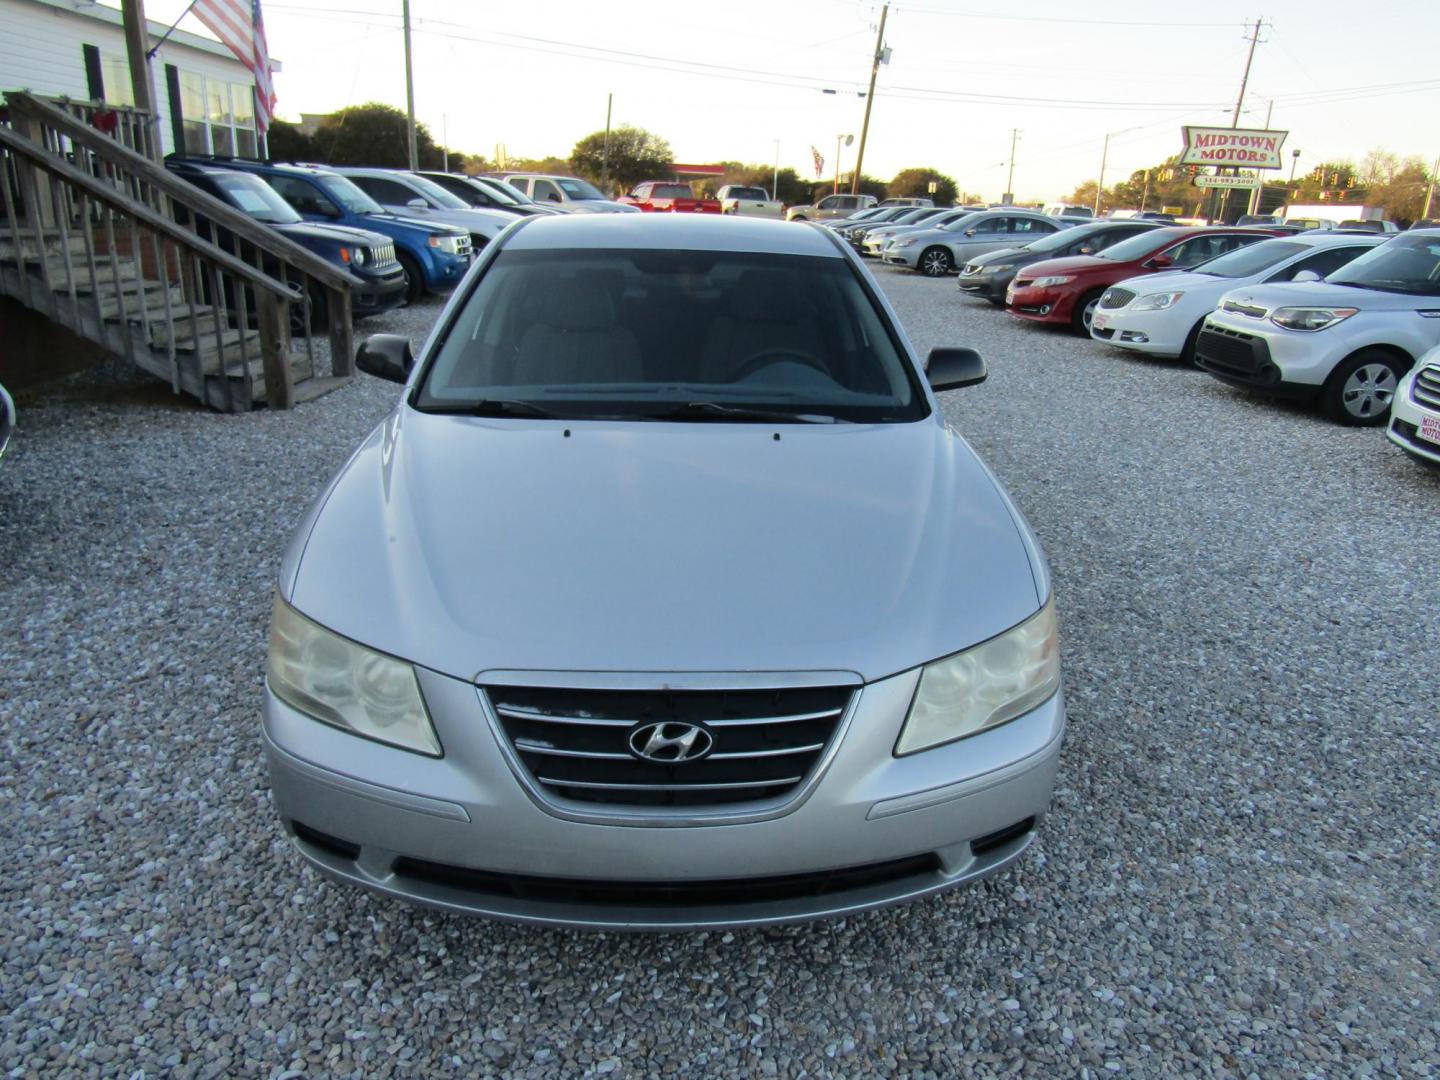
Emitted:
<point x="664" y="748"/>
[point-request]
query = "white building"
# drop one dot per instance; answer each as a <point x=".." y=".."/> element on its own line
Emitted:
<point x="76" y="49"/>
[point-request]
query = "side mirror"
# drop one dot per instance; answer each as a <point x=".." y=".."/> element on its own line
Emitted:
<point x="1160" y="262"/>
<point x="951" y="369"/>
<point x="1086" y="250"/>
<point x="328" y="210"/>
<point x="969" y="232"/>
<point x="386" y="356"/>
<point x="552" y="197"/>
<point x="417" y="203"/>
<point x="1307" y="275"/>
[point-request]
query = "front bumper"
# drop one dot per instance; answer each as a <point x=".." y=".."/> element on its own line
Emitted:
<point x="1047" y="305"/>
<point x="1157" y="332"/>
<point x="909" y="256"/>
<point x="461" y="832"/>
<point x="1415" y="425"/>
<point x="991" y="286"/>
<point x="379" y="292"/>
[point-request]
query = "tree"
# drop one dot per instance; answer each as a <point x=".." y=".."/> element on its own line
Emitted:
<point x="286" y="142"/>
<point x="910" y="183"/>
<point x="635" y="155"/>
<point x="373" y="134"/>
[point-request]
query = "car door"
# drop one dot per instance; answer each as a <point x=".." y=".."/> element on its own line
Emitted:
<point x="987" y="234"/>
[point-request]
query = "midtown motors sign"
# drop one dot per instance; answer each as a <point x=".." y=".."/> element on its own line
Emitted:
<point x="1232" y="146"/>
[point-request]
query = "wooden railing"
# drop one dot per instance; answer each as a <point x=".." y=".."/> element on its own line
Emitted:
<point x="101" y="238"/>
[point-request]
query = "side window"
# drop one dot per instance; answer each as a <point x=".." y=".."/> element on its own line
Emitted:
<point x="1197" y="249"/>
<point x="545" y="191"/>
<point x="1322" y="262"/>
<point x="304" y="196"/>
<point x="385" y="192"/>
<point x="519" y="183"/>
<point x="830" y="202"/>
<point x="1032" y="226"/>
<point x="989" y="225"/>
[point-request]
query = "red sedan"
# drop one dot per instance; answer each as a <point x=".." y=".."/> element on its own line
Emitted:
<point x="1068" y="290"/>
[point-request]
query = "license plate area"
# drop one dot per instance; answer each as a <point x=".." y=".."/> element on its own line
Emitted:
<point x="1429" y="429"/>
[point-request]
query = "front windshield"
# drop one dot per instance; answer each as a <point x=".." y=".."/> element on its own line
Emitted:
<point x="913" y="215"/>
<point x="961" y="223"/>
<point x="695" y="335"/>
<point x="578" y="189"/>
<point x="349" y="196"/>
<point x="502" y="193"/>
<point x="256" y="198"/>
<point x="1407" y="264"/>
<point x="1137" y="247"/>
<point x="1065" y="237"/>
<point x="1251" y="259"/>
<point x="437" y="193"/>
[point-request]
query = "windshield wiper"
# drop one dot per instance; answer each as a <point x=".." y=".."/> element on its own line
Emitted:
<point x="713" y="410"/>
<point x="492" y="407"/>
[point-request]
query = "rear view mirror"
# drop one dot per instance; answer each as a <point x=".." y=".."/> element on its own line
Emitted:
<point x="951" y="369"/>
<point x="1307" y="275"/>
<point x="386" y="356"/>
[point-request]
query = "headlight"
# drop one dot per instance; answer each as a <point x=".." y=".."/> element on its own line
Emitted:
<point x="446" y="243"/>
<point x="985" y="686"/>
<point x="996" y="268"/>
<point x="1156" y="301"/>
<point x="336" y="681"/>
<point x="1056" y="279"/>
<point x="361" y="256"/>
<point x="1310" y="318"/>
<point x="901" y="243"/>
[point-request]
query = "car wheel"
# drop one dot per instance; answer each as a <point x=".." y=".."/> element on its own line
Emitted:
<point x="998" y="301"/>
<point x="1084" y="313"/>
<point x="799" y="217"/>
<point x="934" y="262"/>
<point x="1187" y="352"/>
<point x="1359" y="391"/>
<point x="414" y="279"/>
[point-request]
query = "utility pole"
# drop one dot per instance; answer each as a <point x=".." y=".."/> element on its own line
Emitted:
<point x="1429" y="189"/>
<point x="137" y="40"/>
<point x="1145" y="195"/>
<point x="1099" y="184"/>
<point x="445" y="141"/>
<point x="605" y="159"/>
<point x="775" y="185"/>
<point x="1255" y="192"/>
<point x="1235" y="117"/>
<point x="869" y="100"/>
<point x="409" y="91"/>
<point x="1009" y="197"/>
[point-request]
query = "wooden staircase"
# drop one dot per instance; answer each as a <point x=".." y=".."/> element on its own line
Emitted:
<point x="91" y="238"/>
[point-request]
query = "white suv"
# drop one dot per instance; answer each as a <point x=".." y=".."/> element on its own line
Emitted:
<point x="1415" y="414"/>
<point x="1161" y="314"/>
<point x="1347" y="340"/>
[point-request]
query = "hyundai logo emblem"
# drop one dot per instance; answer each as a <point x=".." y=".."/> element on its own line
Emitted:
<point x="670" y="742"/>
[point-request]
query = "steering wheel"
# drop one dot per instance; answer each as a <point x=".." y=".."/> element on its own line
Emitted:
<point x="765" y="357"/>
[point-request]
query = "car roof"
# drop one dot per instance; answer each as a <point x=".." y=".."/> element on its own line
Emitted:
<point x="671" y="232"/>
<point x="1331" y="237"/>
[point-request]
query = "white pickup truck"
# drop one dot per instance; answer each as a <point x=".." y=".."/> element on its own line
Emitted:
<point x="748" y="202"/>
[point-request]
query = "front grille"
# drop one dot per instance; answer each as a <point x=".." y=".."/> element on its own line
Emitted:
<point x="728" y="892"/>
<point x="577" y="744"/>
<point x="1116" y="298"/>
<point x="382" y="255"/>
<point x="1426" y="388"/>
<point x="1226" y="349"/>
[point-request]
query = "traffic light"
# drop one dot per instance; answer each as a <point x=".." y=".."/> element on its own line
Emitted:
<point x="1350" y="181"/>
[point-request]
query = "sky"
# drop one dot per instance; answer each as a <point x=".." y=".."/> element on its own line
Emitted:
<point x="734" y="81"/>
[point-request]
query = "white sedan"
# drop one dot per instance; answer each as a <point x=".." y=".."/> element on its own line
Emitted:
<point x="1415" y="412"/>
<point x="1161" y="314"/>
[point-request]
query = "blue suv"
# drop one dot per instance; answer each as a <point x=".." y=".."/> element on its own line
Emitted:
<point x="368" y="256"/>
<point x="433" y="256"/>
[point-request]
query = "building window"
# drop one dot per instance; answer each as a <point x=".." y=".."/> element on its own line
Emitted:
<point x="118" y="88"/>
<point x="218" y="116"/>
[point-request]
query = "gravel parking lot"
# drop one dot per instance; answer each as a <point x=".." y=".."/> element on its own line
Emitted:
<point x="1238" y="877"/>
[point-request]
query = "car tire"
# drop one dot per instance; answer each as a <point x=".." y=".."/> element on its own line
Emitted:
<point x="414" y="279"/>
<point x="998" y="301"/>
<point x="1359" y="391"/>
<point x="799" y="217"/>
<point x="1187" y="351"/>
<point x="934" y="262"/>
<point x="1085" y="311"/>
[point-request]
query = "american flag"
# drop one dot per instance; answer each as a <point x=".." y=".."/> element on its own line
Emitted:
<point x="819" y="162"/>
<point x="238" y="25"/>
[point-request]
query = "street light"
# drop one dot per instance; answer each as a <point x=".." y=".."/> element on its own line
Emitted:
<point x="1294" y="160"/>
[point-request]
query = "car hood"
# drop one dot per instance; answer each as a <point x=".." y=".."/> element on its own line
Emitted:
<point x="305" y="232"/>
<point x="430" y="227"/>
<point x="600" y="206"/>
<point x="473" y="220"/>
<point x="1076" y="264"/>
<point x="1326" y="294"/>
<point x="466" y="544"/>
<point x="1010" y="255"/>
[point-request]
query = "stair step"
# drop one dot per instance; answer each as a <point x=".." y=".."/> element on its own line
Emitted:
<point x="154" y="301"/>
<point x="53" y="244"/>
<point x="184" y="328"/>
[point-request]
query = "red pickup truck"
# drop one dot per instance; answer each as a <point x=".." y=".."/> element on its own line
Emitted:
<point x="666" y="197"/>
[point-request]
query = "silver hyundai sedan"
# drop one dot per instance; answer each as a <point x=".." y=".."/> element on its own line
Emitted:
<point x="664" y="598"/>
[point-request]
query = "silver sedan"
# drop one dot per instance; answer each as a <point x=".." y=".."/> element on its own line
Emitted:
<point x="936" y="252"/>
<point x="664" y="597"/>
